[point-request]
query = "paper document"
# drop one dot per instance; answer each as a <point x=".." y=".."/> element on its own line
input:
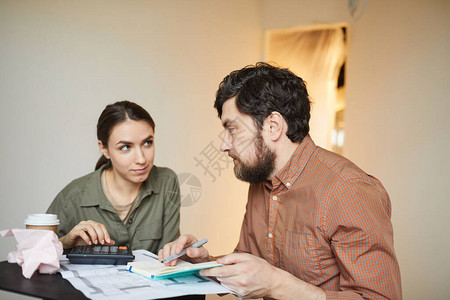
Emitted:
<point x="155" y="270"/>
<point x="113" y="282"/>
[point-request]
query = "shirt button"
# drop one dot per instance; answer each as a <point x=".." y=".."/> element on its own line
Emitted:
<point x="288" y="184"/>
<point x="270" y="235"/>
<point x="275" y="198"/>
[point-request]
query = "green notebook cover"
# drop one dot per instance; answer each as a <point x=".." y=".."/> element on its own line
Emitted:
<point x="157" y="271"/>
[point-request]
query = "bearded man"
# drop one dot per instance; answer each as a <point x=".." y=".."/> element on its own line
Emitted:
<point x="316" y="226"/>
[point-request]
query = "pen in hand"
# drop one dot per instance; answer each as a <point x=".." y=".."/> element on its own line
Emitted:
<point x="175" y="256"/>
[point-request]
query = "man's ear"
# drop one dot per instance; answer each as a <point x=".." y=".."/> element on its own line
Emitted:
<point x="103" y="149"/>
<point x="276" y="125"/>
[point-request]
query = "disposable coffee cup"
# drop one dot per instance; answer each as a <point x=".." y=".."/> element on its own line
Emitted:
<point x="42" y="221"/>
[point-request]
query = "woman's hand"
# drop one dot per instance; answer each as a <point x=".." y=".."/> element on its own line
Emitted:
<point x="87" y="233"/>
<point x="195" y="255"/>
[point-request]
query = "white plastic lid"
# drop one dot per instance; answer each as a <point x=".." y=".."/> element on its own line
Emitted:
<point x="42" y="219"/>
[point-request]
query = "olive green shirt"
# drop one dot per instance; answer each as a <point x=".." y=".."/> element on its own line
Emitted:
<point x="154" y="220"/>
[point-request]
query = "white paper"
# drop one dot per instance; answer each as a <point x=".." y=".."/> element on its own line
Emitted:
<point x="116" y="282"/>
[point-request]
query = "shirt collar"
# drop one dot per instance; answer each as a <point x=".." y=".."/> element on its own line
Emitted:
<point x="289" y="174"/>
<point x="94" y="194"/>
<point x="149" y="186"/>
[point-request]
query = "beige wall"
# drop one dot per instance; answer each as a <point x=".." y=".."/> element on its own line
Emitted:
<point x="397" y="120"/>
<point x="61" y="62"/>
<point x="398" y="129"/>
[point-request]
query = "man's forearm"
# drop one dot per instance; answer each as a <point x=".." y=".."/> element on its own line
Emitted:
<point x="287" y="285"/>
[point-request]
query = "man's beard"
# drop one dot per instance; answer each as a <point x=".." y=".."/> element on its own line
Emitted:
<point x="262" y="168"/>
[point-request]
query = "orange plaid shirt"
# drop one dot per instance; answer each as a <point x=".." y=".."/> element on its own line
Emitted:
<point x="327" y="222"/>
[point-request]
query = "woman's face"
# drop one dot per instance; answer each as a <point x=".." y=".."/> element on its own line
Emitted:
<point x="131" y="150"/>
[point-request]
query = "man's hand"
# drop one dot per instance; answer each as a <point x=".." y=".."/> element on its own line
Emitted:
<point x="195" y="255"/>
<point x="87" y="233"/>
<point x="247" y="275"/>
<point x="253" y="277"/>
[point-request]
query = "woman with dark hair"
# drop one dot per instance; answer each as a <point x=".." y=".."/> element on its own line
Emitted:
<point x="126" y="200"/>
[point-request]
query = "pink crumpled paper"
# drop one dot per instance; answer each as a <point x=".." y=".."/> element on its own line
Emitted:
<point x="36" y="250"/>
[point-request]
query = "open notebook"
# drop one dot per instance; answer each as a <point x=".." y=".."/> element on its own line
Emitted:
<point x="155" y="270"/>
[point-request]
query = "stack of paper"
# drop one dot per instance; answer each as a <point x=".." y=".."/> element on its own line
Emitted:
<point x="110" y="282"/>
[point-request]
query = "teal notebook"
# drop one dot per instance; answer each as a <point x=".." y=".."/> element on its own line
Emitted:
<point x="155" y="270"/>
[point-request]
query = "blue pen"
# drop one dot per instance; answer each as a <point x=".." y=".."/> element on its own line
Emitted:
<point x="175" y="256"/>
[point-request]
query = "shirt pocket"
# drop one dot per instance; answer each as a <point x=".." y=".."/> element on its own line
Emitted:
<point x="148" y="237"/>
<point x="152" y="231"/>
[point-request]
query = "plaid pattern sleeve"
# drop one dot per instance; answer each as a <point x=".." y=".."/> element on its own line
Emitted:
<point x="361" y="238"/>
<point x="326" y="222"/>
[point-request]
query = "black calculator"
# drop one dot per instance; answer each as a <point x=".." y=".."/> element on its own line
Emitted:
<point x="100" y="255"/>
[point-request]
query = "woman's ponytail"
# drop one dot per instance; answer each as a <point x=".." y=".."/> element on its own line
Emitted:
<point x="102" y="161"/>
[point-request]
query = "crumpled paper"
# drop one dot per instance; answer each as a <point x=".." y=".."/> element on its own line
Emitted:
<point x="36" y="250"/>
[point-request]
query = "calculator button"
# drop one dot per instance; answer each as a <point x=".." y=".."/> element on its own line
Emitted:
<point x="100" y="254"/>
<point x="123" y="250"/>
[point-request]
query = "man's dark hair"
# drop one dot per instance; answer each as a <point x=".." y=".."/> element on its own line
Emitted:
<point x="262" y="89"/>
